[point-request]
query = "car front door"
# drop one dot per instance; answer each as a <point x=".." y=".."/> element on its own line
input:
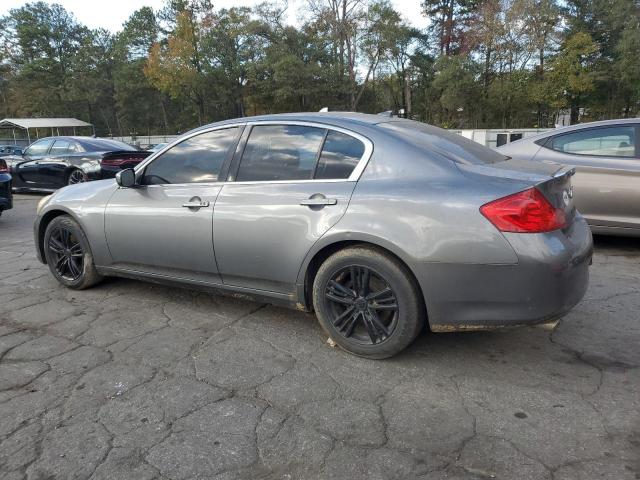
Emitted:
<point x="164" y="225"/>
<point x="54" y="165"/>
<point x="289" y="185"/>
<point x="28" y="169"/>
<point x="607" y="161"/>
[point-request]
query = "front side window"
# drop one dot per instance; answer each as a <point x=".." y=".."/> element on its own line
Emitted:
<point x="38" y="148"/>
<point x="606" y="141"/>
<point x="280" y="152"/>
<point x="198" y="159"/>
<point x="340" y="155"/>
<point x="59" y="147"/>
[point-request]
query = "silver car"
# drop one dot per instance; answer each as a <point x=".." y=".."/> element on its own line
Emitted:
<point x="606" y="156"/>
<point x="380" y="225"/>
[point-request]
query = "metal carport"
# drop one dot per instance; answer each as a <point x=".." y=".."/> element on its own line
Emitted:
<point x="55" y="124"/>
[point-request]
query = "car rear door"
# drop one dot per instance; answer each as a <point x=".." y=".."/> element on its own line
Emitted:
<point x="164" y="225"/>
<point x="289" y="184"/>
<point x="607" y="161"/>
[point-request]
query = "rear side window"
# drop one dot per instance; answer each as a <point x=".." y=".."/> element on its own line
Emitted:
<point x="606" y="142"/>
<point x="340" y="155"/>
<point x="59" y="147"/>
<point x="280" y="152"/>
<point x="198" y="159"/>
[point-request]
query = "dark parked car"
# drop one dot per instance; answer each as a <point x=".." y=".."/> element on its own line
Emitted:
<point x="380" y="225"/>
<point x="10" y="150"/>
<point x="5" y="187"/>
<point x="53" y="162"/>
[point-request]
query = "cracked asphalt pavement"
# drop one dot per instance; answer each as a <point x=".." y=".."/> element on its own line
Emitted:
<point x="130" y="380"/>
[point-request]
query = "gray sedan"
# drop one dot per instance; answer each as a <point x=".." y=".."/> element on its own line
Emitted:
<point x="606" y="156"/>
<point x="382" y="226"/>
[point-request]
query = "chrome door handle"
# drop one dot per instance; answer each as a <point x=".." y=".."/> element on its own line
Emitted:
<point x="319" y="201"/>
<point x="195" y="204"/>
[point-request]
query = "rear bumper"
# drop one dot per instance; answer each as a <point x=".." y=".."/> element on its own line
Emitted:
<point x="108" y="172"/>
<point x="6" y="197"/>
<point x="550" y="278"/>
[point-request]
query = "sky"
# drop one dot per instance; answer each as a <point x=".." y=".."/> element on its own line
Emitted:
<point x="110" y="14"/>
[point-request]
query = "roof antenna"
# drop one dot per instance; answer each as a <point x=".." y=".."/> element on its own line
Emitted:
<point x="387" y="113"/>
<point x="324" y="109"/>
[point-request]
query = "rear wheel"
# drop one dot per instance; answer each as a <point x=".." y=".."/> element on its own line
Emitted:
<point x="76" y="176"/>
<point x="367" y="302"/>
<point x="68" y="254"/>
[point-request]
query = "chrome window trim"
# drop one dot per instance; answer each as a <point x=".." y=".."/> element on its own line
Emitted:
<point x="354" y="177"/>
<point x="142" y="165"/>
<point x="252" y="182"/>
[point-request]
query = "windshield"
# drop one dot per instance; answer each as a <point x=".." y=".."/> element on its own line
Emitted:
<point x="451" y="145"/>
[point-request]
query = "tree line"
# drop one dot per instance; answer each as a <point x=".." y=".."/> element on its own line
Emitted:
<point x="479" y="64"/>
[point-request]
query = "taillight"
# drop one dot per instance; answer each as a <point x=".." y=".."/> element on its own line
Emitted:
<point x="118" y="162"/>
<point x="524" y="212"/>
<point x="3" y="167"/>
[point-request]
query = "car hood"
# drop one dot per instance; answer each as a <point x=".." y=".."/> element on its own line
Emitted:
<point x="13" y="159"/>
<point x="82" y="196"/>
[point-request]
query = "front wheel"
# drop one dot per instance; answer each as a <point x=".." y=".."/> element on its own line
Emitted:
<point x="68" y="254"/>
<point x="368" y="302"/>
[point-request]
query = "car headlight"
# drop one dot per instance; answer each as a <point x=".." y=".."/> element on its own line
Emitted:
<point x="41" y="203"/>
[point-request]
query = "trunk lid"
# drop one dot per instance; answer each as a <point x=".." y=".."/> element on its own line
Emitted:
<point x="551" y="179"/>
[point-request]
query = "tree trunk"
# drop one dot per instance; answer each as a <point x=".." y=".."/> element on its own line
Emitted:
<point x="449" y="27"/>
<point x="372" y="66"/>
<point x="407" y="95"/>
<point x="540" y="79"/>
<point x="164" y="114"/>
<point x="575" y="114"/>
<point x="487" y="67"/>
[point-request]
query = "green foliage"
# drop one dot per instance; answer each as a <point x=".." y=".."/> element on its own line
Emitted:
<point x="480" y="64"/>
<point x="570" y="74"/>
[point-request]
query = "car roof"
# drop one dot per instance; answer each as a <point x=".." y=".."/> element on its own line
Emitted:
<point x="331" y="118"/>
<point x="578" y="126"/>
<point x="85" y="141"/>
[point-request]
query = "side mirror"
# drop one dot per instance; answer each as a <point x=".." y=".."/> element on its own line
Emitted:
<point x="126" y="178"/>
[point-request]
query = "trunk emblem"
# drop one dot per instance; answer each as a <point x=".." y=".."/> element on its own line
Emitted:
<point x="567" y="195"/>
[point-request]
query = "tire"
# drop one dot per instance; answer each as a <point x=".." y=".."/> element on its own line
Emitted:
<point x="76" y="176"/>
<point x="62" y="254"/>
<point x="373" y="328"/>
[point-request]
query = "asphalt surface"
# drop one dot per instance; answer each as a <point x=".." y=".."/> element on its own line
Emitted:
<point x="130" y="380"/>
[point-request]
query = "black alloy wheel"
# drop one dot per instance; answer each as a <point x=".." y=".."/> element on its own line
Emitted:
<point x="368" y="302"/>
<point x="363" y="306"/>
<point x="67" y="254"/>
<point x="77" y="176"/>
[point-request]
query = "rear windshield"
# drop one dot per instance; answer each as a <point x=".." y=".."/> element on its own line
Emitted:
<point x="102" y="145"/>
<point x="451" y="145"/>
